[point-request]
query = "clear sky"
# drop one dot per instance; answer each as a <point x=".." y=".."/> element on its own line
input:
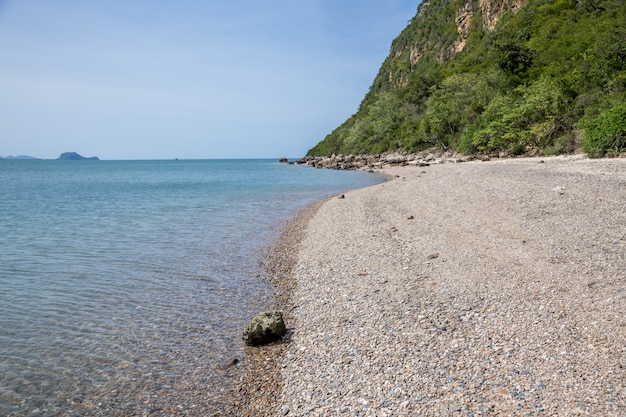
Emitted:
<point x="160" y="79"/>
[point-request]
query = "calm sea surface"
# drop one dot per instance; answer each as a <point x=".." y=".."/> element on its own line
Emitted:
<point x="124" y="285"/>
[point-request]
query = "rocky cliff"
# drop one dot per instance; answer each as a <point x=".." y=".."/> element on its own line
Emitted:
<point x="426" y="40"/>
<point x="497" y="77"/>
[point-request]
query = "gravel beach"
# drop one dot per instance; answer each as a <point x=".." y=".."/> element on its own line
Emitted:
<point x="471" y="289"/>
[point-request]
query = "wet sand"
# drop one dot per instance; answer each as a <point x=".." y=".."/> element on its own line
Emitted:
<point x="261" y="381"/>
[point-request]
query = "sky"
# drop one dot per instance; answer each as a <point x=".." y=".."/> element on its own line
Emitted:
<point x="189" y="79"/>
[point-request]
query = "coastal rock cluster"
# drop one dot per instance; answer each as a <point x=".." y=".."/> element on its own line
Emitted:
<point x="369" y="162"/>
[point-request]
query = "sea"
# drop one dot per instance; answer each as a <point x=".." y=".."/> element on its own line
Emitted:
<point x="125" y="285"/>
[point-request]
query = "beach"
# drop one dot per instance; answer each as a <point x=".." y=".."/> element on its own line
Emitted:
<point x="478" y="288"/>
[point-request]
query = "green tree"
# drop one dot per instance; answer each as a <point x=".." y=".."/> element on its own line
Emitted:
<point x="526" y="117"/>
<point x="514" y="58"/>
<point x="457" y="103"/>
<point x="606" y="131"/>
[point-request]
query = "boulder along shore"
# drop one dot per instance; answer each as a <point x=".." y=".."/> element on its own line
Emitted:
<point x="481" y="288"/>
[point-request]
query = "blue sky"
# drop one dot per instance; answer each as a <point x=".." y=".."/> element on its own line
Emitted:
<point x="156" y="79"/>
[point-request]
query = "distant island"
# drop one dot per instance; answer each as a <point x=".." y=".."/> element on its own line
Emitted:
<point x="19" y="157"/>
<point x="65" y="156"/>
<point x="73" y="156"/>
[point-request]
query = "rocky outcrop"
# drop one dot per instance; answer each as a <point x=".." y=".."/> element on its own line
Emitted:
<point x="417" y="44"/>
<point x="491" y="11"/>
<point x="374" y="162"/>
<point x="462" y="20"/>
<point x="264" y="328"/>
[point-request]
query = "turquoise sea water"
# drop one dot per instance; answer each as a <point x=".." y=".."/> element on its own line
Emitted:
<point x="124" y="285"/>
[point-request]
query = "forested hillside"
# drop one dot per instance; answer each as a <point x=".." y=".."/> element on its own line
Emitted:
<point x="498" y="77"/>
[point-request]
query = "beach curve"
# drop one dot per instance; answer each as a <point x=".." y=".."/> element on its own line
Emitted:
<point x="481" y="288"/>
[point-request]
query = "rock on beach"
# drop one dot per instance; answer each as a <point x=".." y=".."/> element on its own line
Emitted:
<point x="264" y="328"/>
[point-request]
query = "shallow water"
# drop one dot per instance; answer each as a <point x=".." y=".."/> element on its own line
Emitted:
<point x="124" y="285"/>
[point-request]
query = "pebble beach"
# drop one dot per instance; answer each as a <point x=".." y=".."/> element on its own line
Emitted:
<point x="460" y="289"/>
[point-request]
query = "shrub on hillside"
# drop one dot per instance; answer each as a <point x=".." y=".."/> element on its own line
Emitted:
<point x="605" y="132"/>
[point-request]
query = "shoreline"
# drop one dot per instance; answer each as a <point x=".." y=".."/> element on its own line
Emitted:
<point x="492" y="288"/>
<point x="261" y="383"/>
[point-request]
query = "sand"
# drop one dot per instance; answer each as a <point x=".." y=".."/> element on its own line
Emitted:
<point x="471" y="289"/>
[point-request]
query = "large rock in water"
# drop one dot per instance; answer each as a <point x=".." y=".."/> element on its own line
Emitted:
<point x="264" y="328"/>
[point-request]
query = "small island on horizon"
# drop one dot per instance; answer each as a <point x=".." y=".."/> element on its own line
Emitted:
<point x="19" y="157"/>
<point x="74" y="156"/>
<point x="65" y="156"/>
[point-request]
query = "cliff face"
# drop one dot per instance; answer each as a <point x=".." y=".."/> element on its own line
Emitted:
<point x="438" y="32"/>
<point x="418" y="40"/>
<point x="459" y="61"/>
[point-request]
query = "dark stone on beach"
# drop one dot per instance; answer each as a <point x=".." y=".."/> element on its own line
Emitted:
<point x="229" y="364"/>
<point x="283" y="160"/>
<point x="264" y="328"/>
